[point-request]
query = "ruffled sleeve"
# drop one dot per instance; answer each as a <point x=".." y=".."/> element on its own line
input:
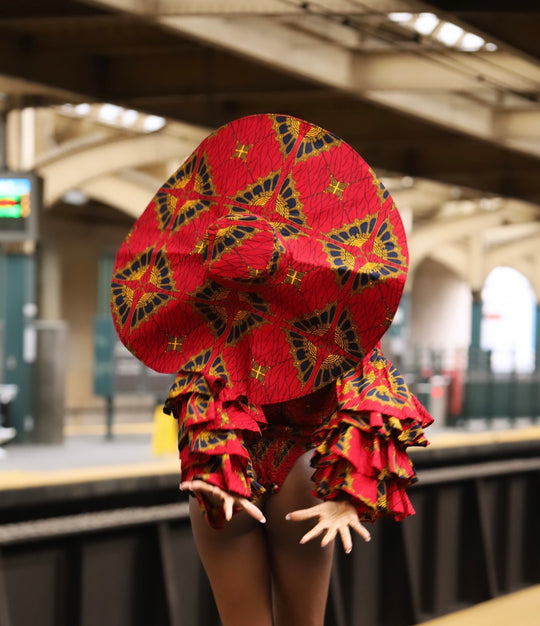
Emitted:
<point x="363" y="453"/>
<point x="213" y="429"/>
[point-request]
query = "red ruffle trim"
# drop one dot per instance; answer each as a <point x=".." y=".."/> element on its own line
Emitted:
<point x="363" y="453"/>
<point x="212" y="432"/>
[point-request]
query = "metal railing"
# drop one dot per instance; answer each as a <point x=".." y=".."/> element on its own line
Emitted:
<point x="466" y="385"/>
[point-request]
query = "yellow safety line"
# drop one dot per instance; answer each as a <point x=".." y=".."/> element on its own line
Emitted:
<point x="449" y="439"/>
<point x="442" y="439"/>
<point x="22" y="479"/>
<point x="127" y="428"/>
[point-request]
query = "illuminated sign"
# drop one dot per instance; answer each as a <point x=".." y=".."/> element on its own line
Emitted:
<point x="20" y="195"/>
<point x="15" y="197"/>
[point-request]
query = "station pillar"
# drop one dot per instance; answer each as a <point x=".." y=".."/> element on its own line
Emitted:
<point x="476" y="319"/>
<point x="478" y="359"/>
<point x="17" y="301"/>
<point x="537" y="339"/>
<point x="395" y="340"/>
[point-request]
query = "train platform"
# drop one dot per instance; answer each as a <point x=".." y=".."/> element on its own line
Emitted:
<point x="101" y="501"/>
<point x="521" y="608"/>
<point x="92" y="462"/>
<point x="89" y="452"/>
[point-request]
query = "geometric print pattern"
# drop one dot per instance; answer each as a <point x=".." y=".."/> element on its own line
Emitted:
<point x="368" y="251"/>
<point x="275" y="247"/>
<point x="150" y="268"/>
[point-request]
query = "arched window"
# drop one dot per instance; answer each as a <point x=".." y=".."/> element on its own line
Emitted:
<point x="508" y="320"/>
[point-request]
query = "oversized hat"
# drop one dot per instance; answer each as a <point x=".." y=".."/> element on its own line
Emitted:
<point x="272" y="262"/>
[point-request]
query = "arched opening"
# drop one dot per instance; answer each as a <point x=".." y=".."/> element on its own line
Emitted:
<point x="508" y="320"/>
<point x="439" y="318"/>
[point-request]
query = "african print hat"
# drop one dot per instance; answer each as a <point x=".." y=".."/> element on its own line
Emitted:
<point x="272" y="261"/>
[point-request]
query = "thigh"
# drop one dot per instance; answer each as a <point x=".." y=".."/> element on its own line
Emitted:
<point x="236" y="562"/>
<point x="300" y="573"/>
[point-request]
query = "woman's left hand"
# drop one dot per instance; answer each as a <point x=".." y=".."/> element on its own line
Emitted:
<point x="335" y="516"/>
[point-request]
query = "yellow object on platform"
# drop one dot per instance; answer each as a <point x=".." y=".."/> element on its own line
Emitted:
<point x="521" y="608"/>
<point x="164" y="433"/>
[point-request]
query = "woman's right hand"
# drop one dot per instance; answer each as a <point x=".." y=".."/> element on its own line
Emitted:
<point x="218" y="497"/>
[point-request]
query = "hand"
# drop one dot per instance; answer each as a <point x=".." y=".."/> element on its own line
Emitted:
<point x="335" y="516"/>
<point x="223" y="499"/>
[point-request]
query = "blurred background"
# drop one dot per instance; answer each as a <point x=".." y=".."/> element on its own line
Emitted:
<point x="100" y="101"/>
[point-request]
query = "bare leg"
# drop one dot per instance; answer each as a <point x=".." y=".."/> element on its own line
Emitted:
<point x="236" y="562"/>
<point x="300" y="573"/>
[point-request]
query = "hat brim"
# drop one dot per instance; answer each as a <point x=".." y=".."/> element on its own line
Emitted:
<point x="340" y="282"/>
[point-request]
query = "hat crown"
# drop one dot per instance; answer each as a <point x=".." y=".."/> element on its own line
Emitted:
<point x="243" y="250"/>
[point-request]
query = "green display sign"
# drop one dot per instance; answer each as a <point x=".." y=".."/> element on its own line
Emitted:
<point x="20" y="196"/>
<point x="15" y="198"/>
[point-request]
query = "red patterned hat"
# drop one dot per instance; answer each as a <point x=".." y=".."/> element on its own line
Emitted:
<point x="272" y="261"/>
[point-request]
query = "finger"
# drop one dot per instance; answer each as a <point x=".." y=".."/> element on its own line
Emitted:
<point x="360" y="529"/>
<point x="302" y="514"/>
<point x="191" y="487"/>
<point x="346" y="539"/>
<point x="228" y="507"/>
<point x="252" y="510"/>
<point x="314" y="532"/>
<point x="329" y="537"/>
<point x="200" y="485"/>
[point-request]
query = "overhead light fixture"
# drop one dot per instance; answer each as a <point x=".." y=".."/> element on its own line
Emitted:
<point x="449" y="33"/>
<point x="129" y="117"/>
<point x="153" y="123"/>
<point x="400" y="18"/>
<point x="426" y="23"/>
<point x="471" y="42"/>
<point x="82" y="109"/>
<point x="114" y="115"/>
<point x="109" y="113"/>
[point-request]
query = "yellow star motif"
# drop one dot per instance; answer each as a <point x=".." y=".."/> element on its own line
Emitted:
<point x="336" y="187"/>
<point x="175" y="343"/>
<point x="258" y="372"/>
<point x="241" y="151"/>
<point x="294" y="278"/>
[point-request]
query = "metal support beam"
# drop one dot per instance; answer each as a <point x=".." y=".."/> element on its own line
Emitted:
<point x="172" y="583"/>
<point x="517" y="124"/>
<point x="485" y="516"/>
<point x="248" y="7"/>
<point x="417" y="83"/>
<point x="440" y="232"/>
<point x="73" y="170"/>
<point x="5" y="619"/>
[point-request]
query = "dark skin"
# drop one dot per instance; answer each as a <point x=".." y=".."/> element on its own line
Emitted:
<point x="264" y="568"/>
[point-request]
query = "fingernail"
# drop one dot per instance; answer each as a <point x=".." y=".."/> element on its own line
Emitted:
<point x="368" y="539"/>
<point x="348" y="551"/>
<point x="287" y="517"/>
<point x="263" y="520"/>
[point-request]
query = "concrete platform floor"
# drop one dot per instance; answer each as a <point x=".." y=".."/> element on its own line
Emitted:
<point x="521" y="608"/>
